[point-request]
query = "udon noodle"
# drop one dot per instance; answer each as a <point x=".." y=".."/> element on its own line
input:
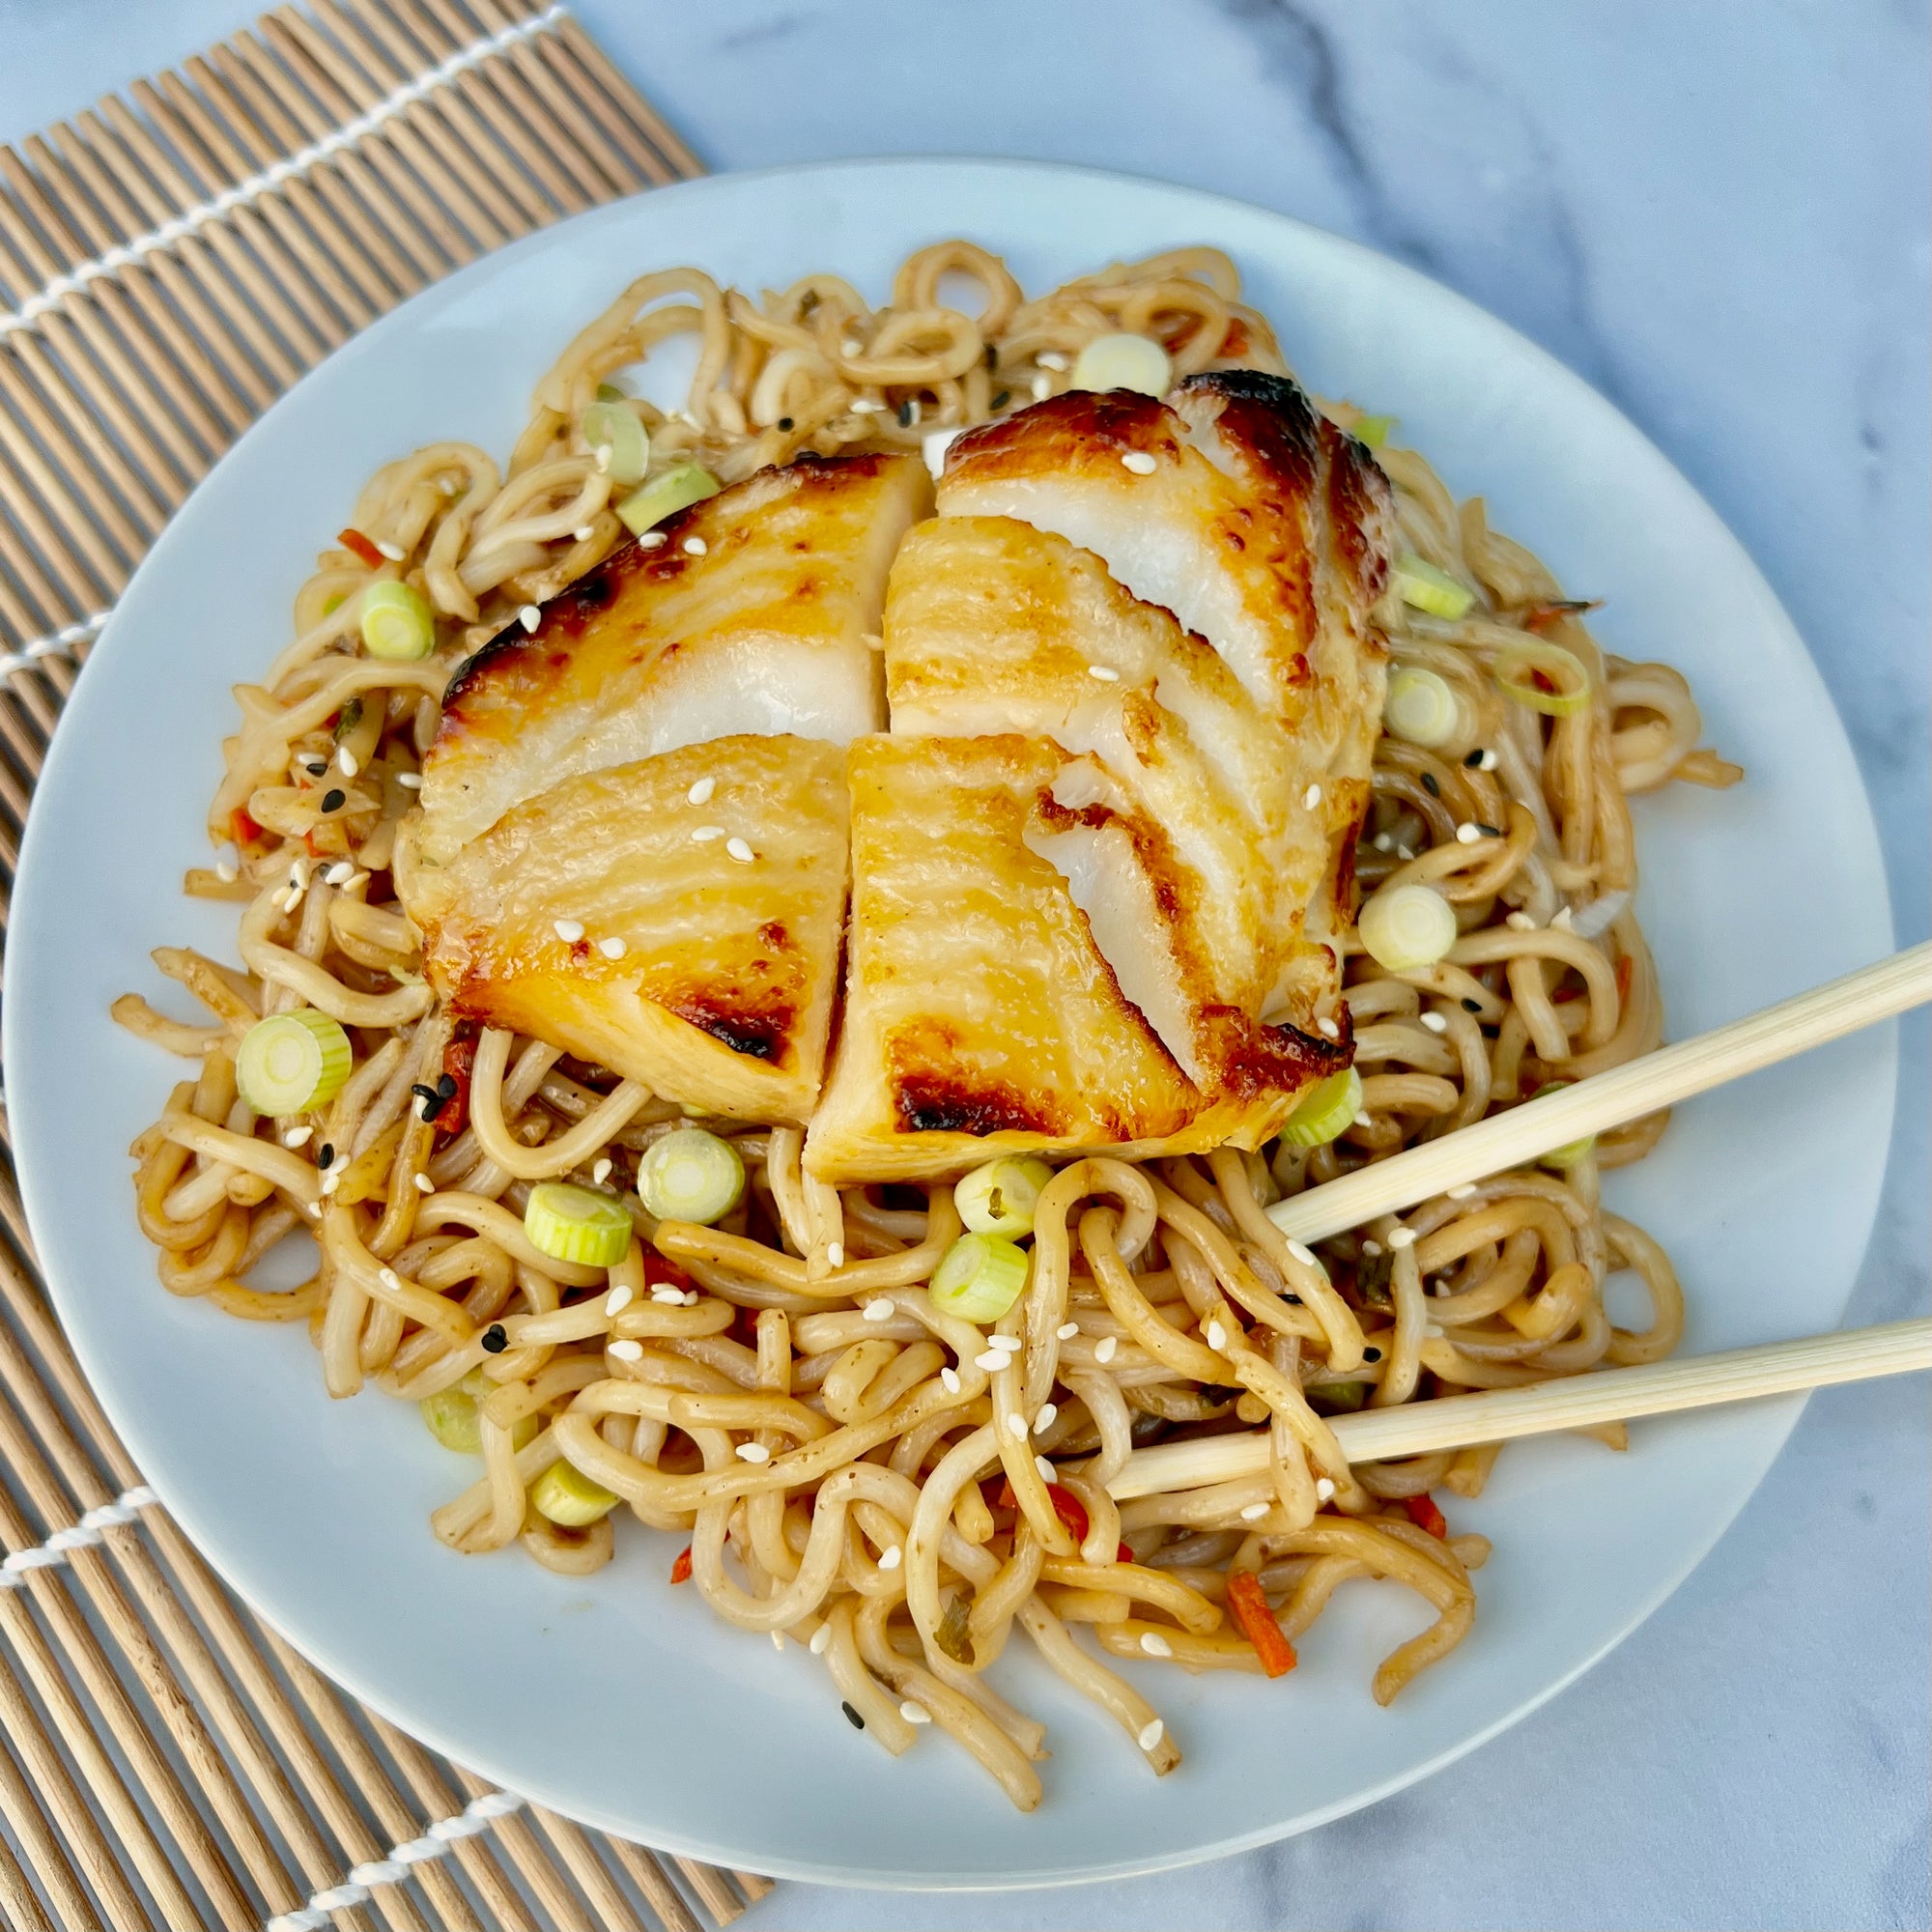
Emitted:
<point x="851" y="1468"/>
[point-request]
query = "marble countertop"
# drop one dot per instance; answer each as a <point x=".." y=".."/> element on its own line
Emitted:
<point x="1718" y="216"/>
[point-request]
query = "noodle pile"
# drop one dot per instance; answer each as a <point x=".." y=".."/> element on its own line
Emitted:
<point x="850" y="1467"/>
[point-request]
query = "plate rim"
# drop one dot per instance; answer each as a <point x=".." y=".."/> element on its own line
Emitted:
<point x="35" y="1189"/>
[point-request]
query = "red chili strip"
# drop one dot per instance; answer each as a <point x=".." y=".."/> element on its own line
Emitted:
<point x="362" y="546"/>
<point x="680" y="1571"/>
<point x="1424" y="1515"/>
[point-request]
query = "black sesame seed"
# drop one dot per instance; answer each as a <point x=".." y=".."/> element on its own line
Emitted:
<point x="1371" y="1354"/>
<point x="325" y="1154"/>
<point x="334" y="799"/>
<point x="495" y="1340"/>
<point x="1488" y="831"/>
<point x="905" y="414"/>
<point x="316" y="769"/>
<point x="445" y="1087"/>
<point x="1430" y="785"/>
<point x="1002" y="399"/>
<point x="1475" y="759"/>
<point x="1472" y="1005"/>
<point x="992" y="355"/>
<point x="784" y="422"/>
<point x="852" y="1716"/>
<point x="1294" y="1300"/>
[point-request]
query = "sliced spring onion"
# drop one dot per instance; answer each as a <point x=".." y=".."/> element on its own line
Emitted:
<point x="576" y="1224"/>
<point x="566" y="1495"/>
<point x="1424" y="708"/>
<point x="1424" y="587"/>
<point x="451" y="1416"/>
<point x="980" y="1278"/>
<point x="1520" y="667"/>
<point x="999" y="1197"/>
<point x="1571" y="1154"/>
<point x="1373" y="431"/>
<point x="1123" y="362"/>
<point x="292" y="1061"/>
<point x="613" y="389"/>
<point x="1337" y="1398"/>
<point x="668" y="492"/>
<point x="612" y="427"/>
<point x="396" y="622"/>
<point x="690" y="1175"/>
<point x="1326" y="1111"/>
<point x="1407" y="928"/>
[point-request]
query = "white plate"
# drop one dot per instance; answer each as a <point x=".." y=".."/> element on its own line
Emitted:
<point x="616" y="1699"/>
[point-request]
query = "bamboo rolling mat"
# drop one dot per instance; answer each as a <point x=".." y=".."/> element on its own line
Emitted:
<point x="169" y="263"/>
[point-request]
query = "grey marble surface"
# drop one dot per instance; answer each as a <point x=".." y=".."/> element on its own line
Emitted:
<point x="1718" y="214"/>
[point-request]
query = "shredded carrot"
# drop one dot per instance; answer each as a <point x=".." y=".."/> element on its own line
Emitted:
<point x="1626" y="969"/>
<point x="1248" y="1604"/>
<point x="680" y="1571"/>
<point x="1424" y="1515"/>
<point x="243" y="828"/>
<point x="1539" y="616"/>
<point x="355" y="540"/>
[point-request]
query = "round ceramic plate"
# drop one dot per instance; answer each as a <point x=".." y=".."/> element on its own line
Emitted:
<point x="617" y="1700"/>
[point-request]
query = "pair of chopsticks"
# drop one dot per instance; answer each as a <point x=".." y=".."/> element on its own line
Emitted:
<point x="1605" y="1100"/>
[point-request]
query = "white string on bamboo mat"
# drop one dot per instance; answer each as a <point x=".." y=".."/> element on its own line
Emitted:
<point x="64" y="640"/>
<point x="44" y="1555"/>
<point x="126" y="254"/>
<point x="435" y="1843"/>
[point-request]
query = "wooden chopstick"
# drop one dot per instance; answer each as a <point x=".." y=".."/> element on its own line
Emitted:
<point x="1644" y="1085"/>
<point x="1570" y="1402"/>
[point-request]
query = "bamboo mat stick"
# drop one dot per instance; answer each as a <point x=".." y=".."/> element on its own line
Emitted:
<point x="1643" y="1086"/>
<point x="1570" y="1402"/>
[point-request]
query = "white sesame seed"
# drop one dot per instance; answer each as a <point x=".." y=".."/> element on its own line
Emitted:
<point x="1106" y="673"/>
<point x="821" y="1640"/>
<point x="628" y="1350"/>
<point x="865" y="406"/>
<point x="915" y="1714"/>
<point x="1067" y="1331"/>
<point x="693" y="547"/>
<point x="1151" y="1736"/>
<point x="1372" y="1249"/>
<point x="1402" y="1238"/>
<point x="1467" y="833"/>
<point x="340" y="874"/>
<point x="1051" y="358"/>
<point x="347" y="760"/>
<point x="389" y="1277"/>
<point x="1328" y="1029"/>
<point x="1405" y="852"/>
<point x="410" y="780"/>
<point x="705" y="834"/>
<point x="1254" y="1512"/>
<point x="1435" y="1023"/>
<point x="1324" y="1489"/>
<point x="1432" y="1331"/>
<point x="778" y="1640"/>
<point x="1362" y="1119"/>
<point x="530" y="616"/>
<point x="1303" y="1253"/>
<point x="1439" y="1289"/>
<point x="701" y="792"/>
<point x="849" y="347"/>
<point x="1138" y="462"/>
<point x="1016" y="1423"/>
<point x="1519" y="922"/>
<point x="1217" y="1336"/>
<point x="226" y="873"/>
<point x="569" y="930"/>
<point x="1049" y="1414"/>
<point x="395" y="552"/>
<point x="668" y="1298"/>
<point x="736" y="848"/>
<point x="1562" y="919"/>
<point x="992" y="1361"/>
<point x="1042" y="388"/>
<point x="834" y="1254"/>
<point x="299" y="876"/>
<point x="751" y="1452"/>
<point x="950" y="1377"/>
<point x="691" y="1297"/>
<point x="612" y="948"/>
<point x="600" y="454"/>
<point x="1383" y="841"/>
<point x="881" y="1310"/>
<point x="652" y="540"/>
<point x="331" y="1181"/>
<point x="1463" y="1192"/>
<point x="1311" y="798"/>
<point x="583" y="532"/>
<point x="1103" y="1349"/>
<point x="297" y="1137"/>
<point x="619" y="1299"/>
<point x="1047" y="1472"/>
<point x="1487" y="761"/>
<point x="1157" y="1645"/>
<point x="1008" y="1344"/>
<point x="890" y="1558"/>
<point x="424" y="1185"/>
